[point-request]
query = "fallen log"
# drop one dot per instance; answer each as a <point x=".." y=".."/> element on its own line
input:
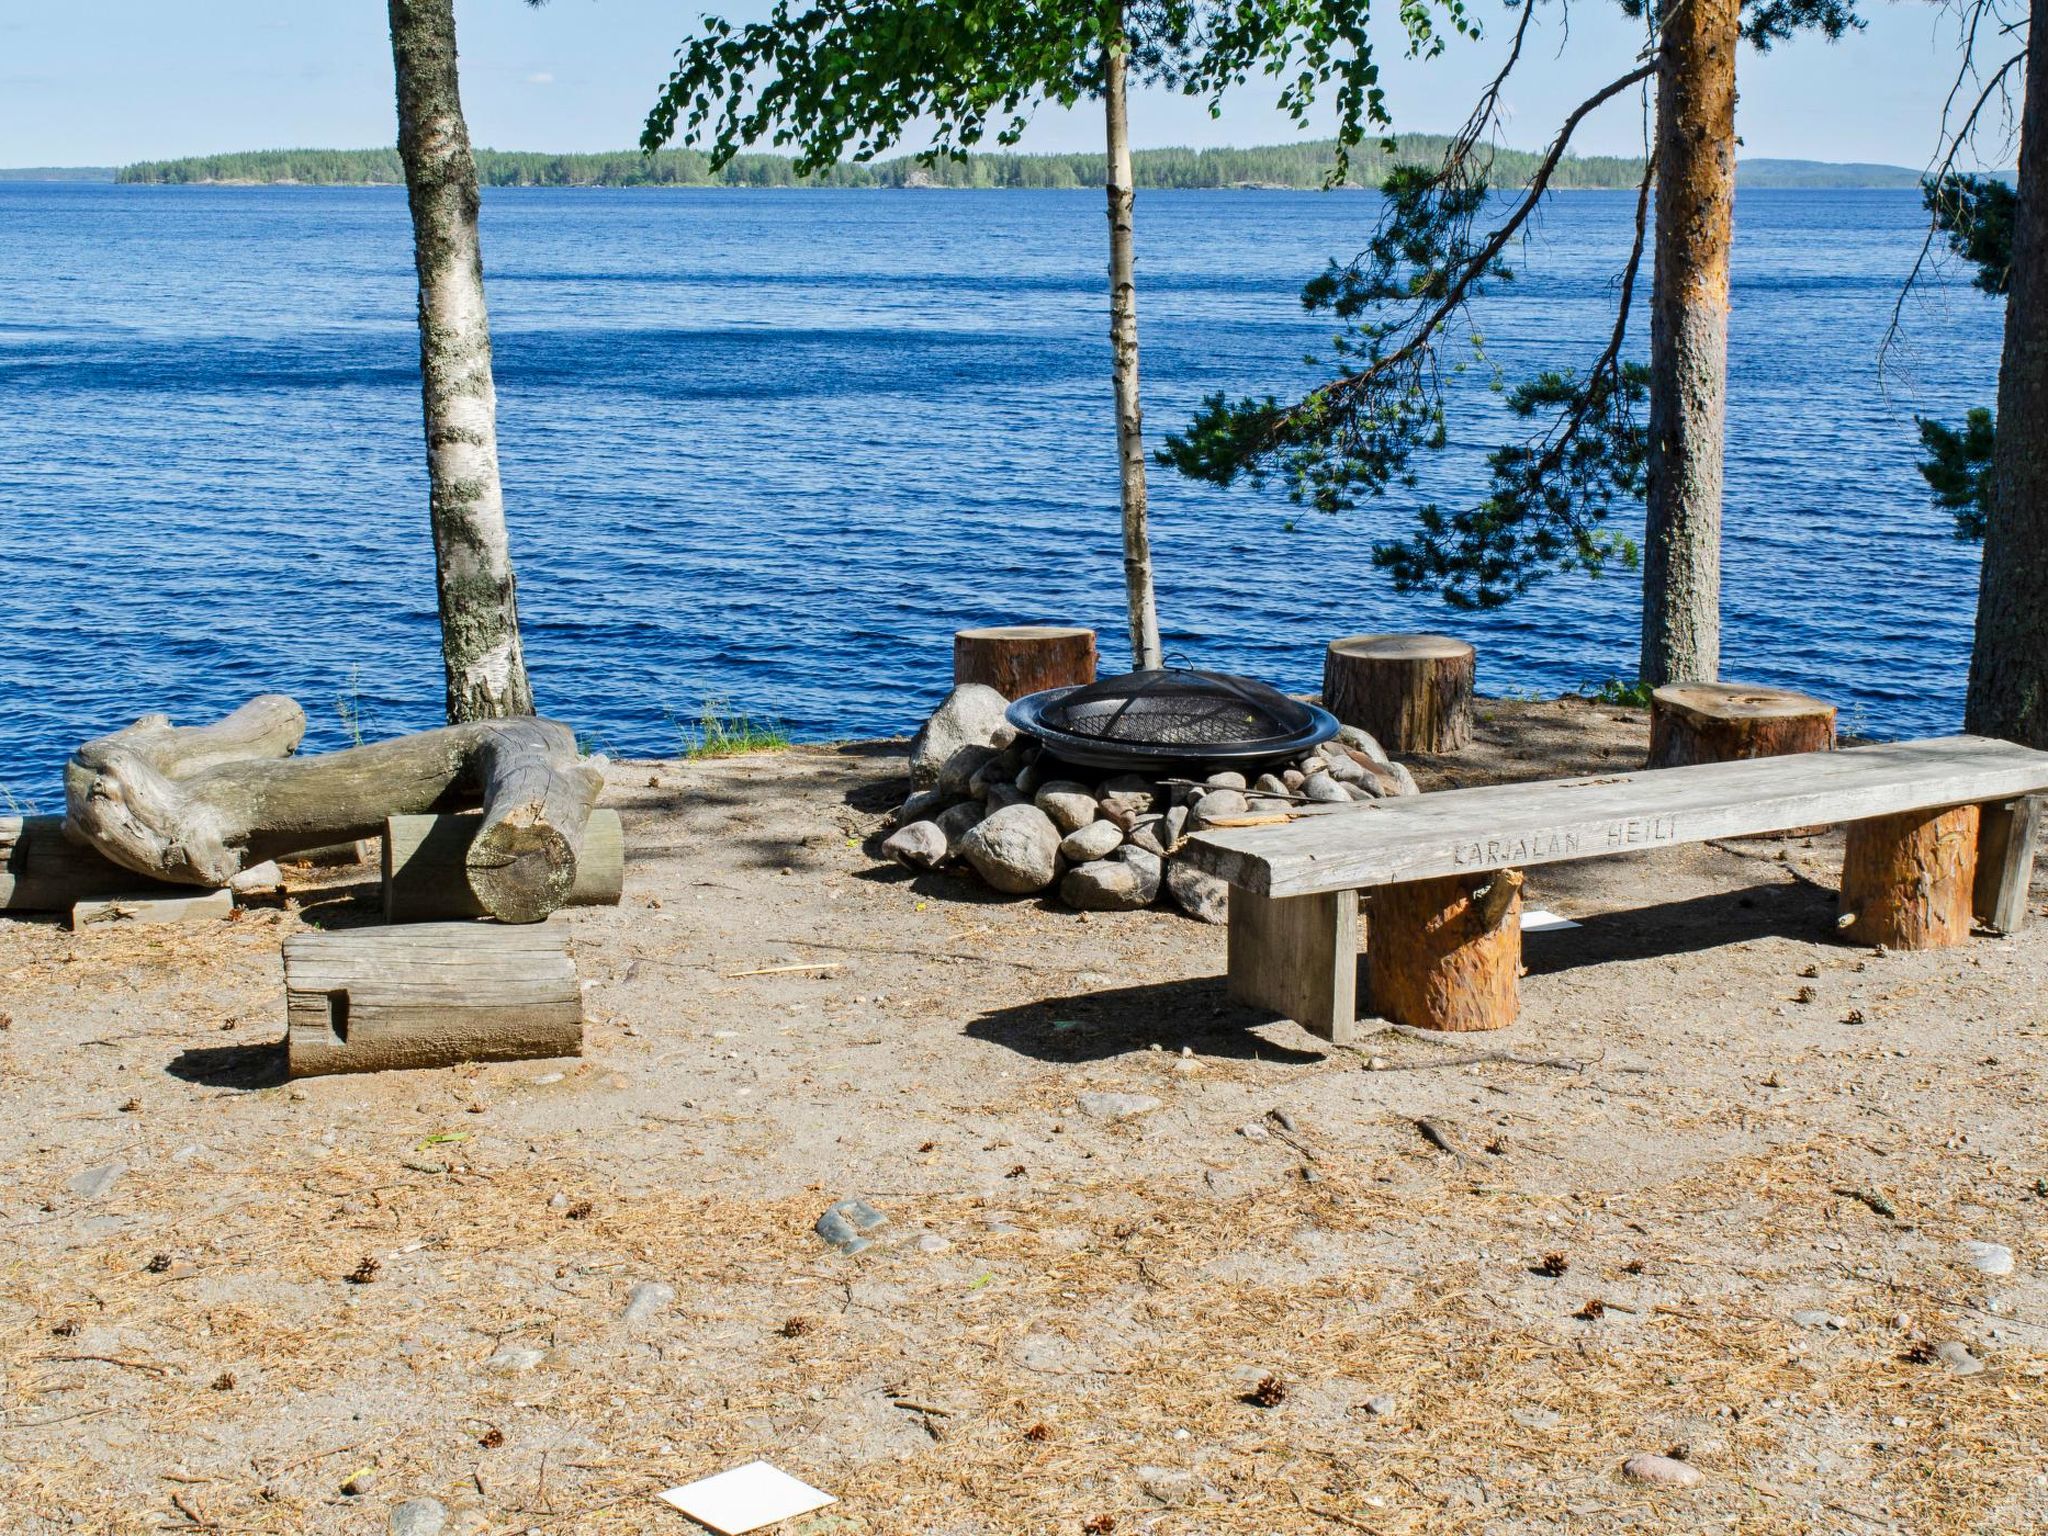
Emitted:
<point x="42" y="870"/>
<point x="428" y="995"/>
<point x="138" y="798"/>
<point x="427" y="877"/>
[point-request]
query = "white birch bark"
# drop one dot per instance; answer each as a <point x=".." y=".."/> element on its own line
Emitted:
<point x="486" y="671"/>
<point x="1123" y="339"/>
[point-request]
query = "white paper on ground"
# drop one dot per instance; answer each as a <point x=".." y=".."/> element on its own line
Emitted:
<point x="746" y="1498"/>
<point x="1537" y="920"/>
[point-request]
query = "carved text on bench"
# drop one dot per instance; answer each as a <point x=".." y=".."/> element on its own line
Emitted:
<point x="1525" y="847"/>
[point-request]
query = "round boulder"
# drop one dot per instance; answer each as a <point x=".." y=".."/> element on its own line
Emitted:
<point x="971" y="716"/>
<point x="1198" y="893"/>
<point x="1097" y="840"/>
<point x="1127" y="879"/>
<point x="920" y="845"/>
<point x="1071" y="806"/>
<point x="1015" y="849"/>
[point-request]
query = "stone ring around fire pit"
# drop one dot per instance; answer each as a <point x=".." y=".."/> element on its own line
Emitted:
<point x="1025" y="812"/>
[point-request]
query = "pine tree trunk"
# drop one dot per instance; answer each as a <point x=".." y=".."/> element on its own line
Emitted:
<point x="472" y="560"/>
<point x="1689" y="341"/>
<point x="2009" y="665"/>
<point x="1123" y="339"/>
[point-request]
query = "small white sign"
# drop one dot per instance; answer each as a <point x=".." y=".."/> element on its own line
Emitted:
<point x="746" y="1499"/>
<point x="1537" y="920"/>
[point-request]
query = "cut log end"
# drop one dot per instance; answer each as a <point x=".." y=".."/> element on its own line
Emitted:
<point x="1909" y="881"/>
<point x="1016" y="659"/>
<point x="1447" y="954"/>
<point x="1731" y="722"/>
<point x="1412" y="693"/>
<point x="427" y="875"/>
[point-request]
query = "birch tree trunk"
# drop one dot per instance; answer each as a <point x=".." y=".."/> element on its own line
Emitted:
<point x="1123" y="339"/>
<point x="2009" y="665"/>
<point x="472" y="560"/>
<point x="1689" y="341"/>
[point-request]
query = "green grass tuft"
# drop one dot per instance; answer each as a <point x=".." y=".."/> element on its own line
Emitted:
<point x="721" y="733"/>
<point x="1616" y="691"/>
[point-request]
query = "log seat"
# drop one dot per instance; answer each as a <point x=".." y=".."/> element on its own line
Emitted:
<point x="1941" y="832"/>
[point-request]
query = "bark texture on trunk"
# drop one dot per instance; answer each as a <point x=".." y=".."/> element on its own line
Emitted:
<point x="1447" y="954"/>
<point x="1123" y="340"/>
<point x="1731" y="722"/>
<point x="1909" y="881"/>
<point x="1411" y="693"/>
<point x="472" y="558"/>
<point x="2009" y="665"/>
<point x="1016" y="659"/>
<point x="1689" y="341"/>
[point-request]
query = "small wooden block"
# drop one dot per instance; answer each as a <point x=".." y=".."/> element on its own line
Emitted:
<point x="149" y="911"/>
<point x="1298" y="956"/>
<point x="2006" y="835"/>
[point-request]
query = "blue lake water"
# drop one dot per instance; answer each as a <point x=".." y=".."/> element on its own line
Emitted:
<point x="773" y="448"/>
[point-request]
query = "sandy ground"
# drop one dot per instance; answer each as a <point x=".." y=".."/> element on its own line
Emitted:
<point x="1064" y="1325"/>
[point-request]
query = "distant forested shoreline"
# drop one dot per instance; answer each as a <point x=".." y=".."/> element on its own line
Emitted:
<point x="1306" y="164"/>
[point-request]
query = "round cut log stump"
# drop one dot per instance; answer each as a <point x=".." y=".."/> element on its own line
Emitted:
<point x="1728" y="722"/>
<point x="1447" y="954"/>
<point x="1908" y="880"/>
<point x="1412" y="693"/>
<point x="1016" y="659"/>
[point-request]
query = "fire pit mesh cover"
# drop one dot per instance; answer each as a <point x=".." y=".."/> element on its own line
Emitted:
<point x="1167" y="707"/>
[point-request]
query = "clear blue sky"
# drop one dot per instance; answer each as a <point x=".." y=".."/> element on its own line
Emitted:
<point x="99" y="82"/>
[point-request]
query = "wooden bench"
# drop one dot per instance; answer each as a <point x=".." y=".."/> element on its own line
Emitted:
<point x="1940" y="832"/>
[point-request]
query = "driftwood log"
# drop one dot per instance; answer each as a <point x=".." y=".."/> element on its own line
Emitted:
<point x="1910" y="881"/>
<point x="1446" y="953"/>
<point x="1731" y="722"/>
<point x="428" y="995"/>
<point x="170" y="804"/>
<point x="1016" y="659"/>
<point x="1412" y="693"/>
<point x="42" y="870"/>
<point x="427" y="876"/>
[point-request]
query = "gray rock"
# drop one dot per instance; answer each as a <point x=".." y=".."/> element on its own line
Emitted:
<point x="1321" y="787"/>
<point x="1807" y="1317"/>
<point x="1029" y="777"/>
<point x="1667" y="1470"/>
<point x="1170" y="1486"/>
<point x="1002" y="794"/>
<point x="1071" y="806"/>
<point x="994" y="771"/>
<point x="919" y="845"/>
<point x="1957" y="1357"/>
<point x="1015" y="849"/>
<point x="1990" y="1258"/>
<point x="1360" y="792"/>
<point x="1116" y="1106"/>
<point x="931" y="1242"/>
<point x="922" y="806"/>
<point x="646" y="1301"/>
<point x="1215" y="805"/>
<point x="1097" y="840"/>
<point x="1176" y="824"/>
<point x="514" y="1360"/>
<point x="1339" y="766"/>
<point x="1201" y="895"/>
<point x="1129" y="794"/>
<point x="1270" y="784"/>
<point x="1362" y="741"/>
<point x="1150" y="833"/>
<point x="94" y="1182"/>
<point x="972" y="715"/>
<point x="1404" y="781"/>
<point x="846" y="1221"/>
<point x="1380" y="1406"/>
<point x="956" y="774"/>
<point x="418" y="1517"/>
<point x="1225" y="780"/>
<point x="1293" y="778"/>
<point x="1126" y="880"/>
<point x="958" y="822"/>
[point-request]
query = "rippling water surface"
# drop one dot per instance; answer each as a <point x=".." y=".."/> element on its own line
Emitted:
<point x="773" y="448"/>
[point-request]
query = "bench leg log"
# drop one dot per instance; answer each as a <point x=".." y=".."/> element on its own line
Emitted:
<point x="429" y="995"/>
<point x="1447" y="954"/>
<point x="1298" y="956"/>
<point x="426" y="871"/>
<point x="1909" y="881"/>
<point x="2006" y="835"/>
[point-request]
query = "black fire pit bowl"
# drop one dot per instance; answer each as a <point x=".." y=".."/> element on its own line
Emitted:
<point x="1143" y="720"/>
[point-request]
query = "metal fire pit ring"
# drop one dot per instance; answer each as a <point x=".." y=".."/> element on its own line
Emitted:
<point x="1271" y="726"/>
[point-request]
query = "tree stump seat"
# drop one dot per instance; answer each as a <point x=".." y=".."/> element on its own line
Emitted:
<point x="1728" y="722"/>
<point x="1941" y="835"/>
<point x="1016" y="659"/>
<point x="1411" y="693"/>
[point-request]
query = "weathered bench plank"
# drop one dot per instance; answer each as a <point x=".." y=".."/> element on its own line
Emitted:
<point x="1467" y="831"/>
